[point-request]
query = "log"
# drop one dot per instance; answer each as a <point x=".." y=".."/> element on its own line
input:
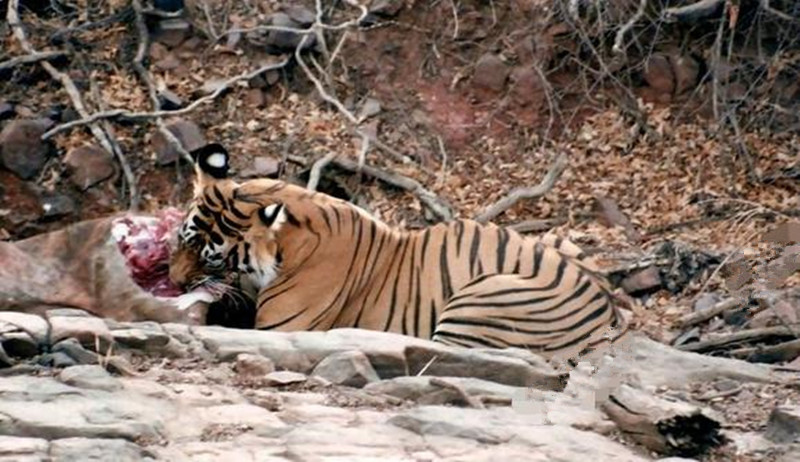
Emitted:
<point x="669" y="427"/>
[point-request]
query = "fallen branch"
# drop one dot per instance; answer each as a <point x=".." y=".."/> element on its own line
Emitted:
<point x="144" y="76"/>
<point x="747" y="335"/>
<point x="778" y="13"/>
<point x="471" y="401"/>
<point x="533" y="226"/>
<point x="519" y="194"/>
<point x="704" y="315"/>
<point x="437" y="206"/>
<point x="316" y="170"/>
<point x="12" y="17"/>
<point x="31" y="58"/>
<point x="138" y="116"/>
<point x="694" y="12"/>
<point x="617" y="48"/>
<point x="782" y="352"/>
<point x="662" y="425"/>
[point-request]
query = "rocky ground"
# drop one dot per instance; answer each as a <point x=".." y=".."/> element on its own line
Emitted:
<point x="681" y="176"/>
<point x="174" y="392"/>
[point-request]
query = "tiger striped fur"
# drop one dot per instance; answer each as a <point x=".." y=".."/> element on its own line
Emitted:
<point x="319" y="263"/>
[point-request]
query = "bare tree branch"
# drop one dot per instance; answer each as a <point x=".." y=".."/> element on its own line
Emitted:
<point x="31" y="58"/>
<point x="628" y="25"/>
<point x="694" y="12"/>
<point x="316" y="170"/>
<point x="136" y="116"/>
<point x="13" y="19"/>
<point x="780" y="14"/>
<point x="519" y="194"/>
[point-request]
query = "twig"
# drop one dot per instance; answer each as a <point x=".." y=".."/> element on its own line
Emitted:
<point x="746" y="335"/>
<point x="316" y="170"/>
<point x="519" y="194"/>
<point x="470" y="400"/>
<point x="704" y="315"/>
<point x="455" y="19"/>
<point x="720" y="394"/>
<point x="694" y="12"/>
<point x="12" y="17"/>
<point x="136" y="116"/>
<point x="436" y="205"/>
<point x="781" y="352"/>
<point x="31" y="58"/>
<point x="144" y="76"/>
<point x="427" y="365"/>
<point x="617" y="48"/>
<point x="780" y="14"/>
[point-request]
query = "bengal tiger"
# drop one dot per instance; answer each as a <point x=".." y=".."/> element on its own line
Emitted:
<point x="318" y="263"/>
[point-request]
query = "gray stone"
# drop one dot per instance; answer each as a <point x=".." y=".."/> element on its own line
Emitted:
<point x="348" y="368"/>
<point x="282" y="378"/>
<point x="188" y="134"/>
<point x="57" y="205"/>
<point x="173" y="31"/>
<point x="90" y="377"/>
<point x="706" y="301"/>
<point x="76" y="353"/>
<point x="87" y="330"/>
<point x="148" y="336"/>
<point x="300" y="14"/>
<point x="282" y="41"/>
<point x="96" y="449"/>
<point x="251" y="365"/>
<point x="491" y="73"/>
<point x="419" y="389"/>
<point x="479" y="364"/>
<point x="31" y="324"/>
<point x="22" y="150"/>
<point x="257" y="419"/>
<point x="20" y="449"/>
<point x="371" y="107"/>
<point x="262" y="167"/>
<point x="642" y="281"/>
<point x="784" y="424"/>
<point x="89" y="165"/>
<point x="387" y="8"/>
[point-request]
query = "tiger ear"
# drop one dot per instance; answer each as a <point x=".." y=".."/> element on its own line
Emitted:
<point x="273" y="215"/>
<point x="213" y="160"/>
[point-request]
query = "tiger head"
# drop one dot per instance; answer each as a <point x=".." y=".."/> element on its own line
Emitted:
<point x="229" y="230"/>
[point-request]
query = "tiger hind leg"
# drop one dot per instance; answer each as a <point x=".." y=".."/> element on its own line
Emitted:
<point x="556" y="318"/>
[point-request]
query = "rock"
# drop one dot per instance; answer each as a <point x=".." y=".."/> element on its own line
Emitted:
<point x="169" y="101"/>
<point x="15" y="448"/>
<point x="254" y="97"/>
<point x="386" y="8"/>
<point x="211" y="86"/>
<point x="187" y="132"/>
<point x="658" y="74"/>
<point x="643" y="281"/>
<point x="24" y="111"/>
<point x="57" y="205"/>
<point x="168" y="62"/>
<point x="173" y="31"/>
<point x="89" y="165"/>
<point x="21" y="149"/>
<point x="91" y="377"/>
<point x="611" y="216"/>
<point x="491" y="73"/>
<point x="348" y="368"/>
<point x="71" y="348"/>
<point x="96" y="449"/>
<point x="783" y="425"/>
<point x="86" y="330"/>
<point x="148" y="336"/>
<point x="57" y="359"/>
<point x="282" y="41"/>
<point x="6" y="110"/>
<point x="282" y="378"/>
<point x="300" y="14"/>
<point x="527" y="88"/>
<point x="420" y="390"/>
<point x="16" y="342"/>
<point x="261" y="421"/>
<point x="506" y="427"/>
<point x="482" y="365"/>
<point x="263" y="167"/>
<point x="706" y="301"/>
<point x="34" y="326"/>
<point x="253" y="365"/>
<point x="371" y="107"/>
<point x="686" y="70"/>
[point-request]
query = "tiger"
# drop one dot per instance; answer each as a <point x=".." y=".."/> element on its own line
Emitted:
<point x="316" y="262"/>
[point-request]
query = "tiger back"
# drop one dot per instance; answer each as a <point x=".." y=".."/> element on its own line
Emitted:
<point x="319" y="263"/>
